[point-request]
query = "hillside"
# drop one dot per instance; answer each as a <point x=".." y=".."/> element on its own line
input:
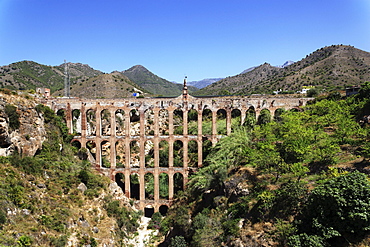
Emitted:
<point x="153" y="83"/>
<point x="329" y="68"/>
<point x="113" y="85"/>
<point x="49" y="194"/>
<point x="29" y="75"/>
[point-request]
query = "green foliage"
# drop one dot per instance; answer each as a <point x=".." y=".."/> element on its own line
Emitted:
<point x="313" y="92"/>
<point x="3" y="218"/>
<point x="24" y="241"/>
<point x="340" y="206"/>
<point x="155" y="221"/>
<point x="13" y="116"/>
<point x="178" y="241"/>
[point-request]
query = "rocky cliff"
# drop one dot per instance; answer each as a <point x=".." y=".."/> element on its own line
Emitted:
<point x="21" y="126"/>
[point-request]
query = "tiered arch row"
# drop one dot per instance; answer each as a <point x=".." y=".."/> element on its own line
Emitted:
<point x="159" y="140"/>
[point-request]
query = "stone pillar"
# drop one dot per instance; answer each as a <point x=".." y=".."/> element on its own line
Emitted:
<point x="142" y="184"/>
<point x="185" y="152"/>
<point x="83" y="121"/>
<point x="69" y="118"/>
<point x="214" y="127"/>
<point x="170" y="152"/>
<point x="185" y="122"/>
<point x="170" y="122"/>
<point x="228" y="121"/>
<point x="112" y="138"/>
<point x="242" y="116"/>
<point x="127" y="183"/>
<point x="200" y="119"/>
<point x="142" y="140"/>
<point x="200" y="152"/>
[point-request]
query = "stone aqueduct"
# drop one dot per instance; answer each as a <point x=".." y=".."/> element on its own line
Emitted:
<point x="117" y="132"/>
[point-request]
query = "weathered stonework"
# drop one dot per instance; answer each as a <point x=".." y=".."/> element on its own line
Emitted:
<point x="136" y="123"/>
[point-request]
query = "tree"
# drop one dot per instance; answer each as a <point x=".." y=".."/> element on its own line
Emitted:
<point x="338" y="207"/>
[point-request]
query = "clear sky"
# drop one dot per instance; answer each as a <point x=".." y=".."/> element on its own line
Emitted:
<point x="174" y="38"/>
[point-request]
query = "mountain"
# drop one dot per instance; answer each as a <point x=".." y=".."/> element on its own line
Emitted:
<point x="203" y="83"/>
<point x="29" y="75"/>
<point x="153" y="83"/>
<point x="113" y="85"/>
<point x="328" y="68"/>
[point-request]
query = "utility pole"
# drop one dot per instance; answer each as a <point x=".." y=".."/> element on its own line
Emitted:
<point x="66" y="80"/>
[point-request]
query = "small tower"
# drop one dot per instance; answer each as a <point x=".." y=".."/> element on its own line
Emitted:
<point x="185" y="90"/>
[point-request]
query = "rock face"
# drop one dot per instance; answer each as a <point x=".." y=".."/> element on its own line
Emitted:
<point x="26" y="139"/>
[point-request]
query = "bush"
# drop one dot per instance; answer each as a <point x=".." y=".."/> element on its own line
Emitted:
<point x="13" y="116"/>
<point x="178" y="241"/>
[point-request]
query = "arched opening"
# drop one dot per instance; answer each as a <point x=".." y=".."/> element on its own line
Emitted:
<point x="105" y="122"/>
<point x="134" y="154"/>
<point x="76" y="144"/>
<point x="207" y="122"/>
<point x="163" y="122"/>
<point x="120" y="180"/>
<point x="120" y="122"/>
<point x="149" y="122"/>
<point x="221" y="122"/>
<point x="192" y="122"/>
<point x="207" y="145"/>
<point x="277" y="114"/>
<point x="76" y="121"/>
<point x="193" y="154"/>
<point x="90" y="123"/>
<point x="61" y="113"/>
<point x="149" y="211"/>
<point x="178" y="182"/>
<point x="134" y="122"/>
<point x="250" y="118"/>
<point x="149" y="186"/>
<point x="163" y="210"/>
<point x="134" y="186"/>
<point x="105" y="154"/>
<point x="149" y="154"/>
<point x="163" y="154"/>
<point x="91" y="147"/>
<point x="235" y="119"/>
<point x="120" y="154"/>
<point x="178" y="123"/>
<point x="178" y="154"/>
<point x="163" y="186"/>
<point x="264" y="117"/>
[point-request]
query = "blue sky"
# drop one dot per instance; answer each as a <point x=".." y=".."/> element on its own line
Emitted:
<point x="174" y="38"/>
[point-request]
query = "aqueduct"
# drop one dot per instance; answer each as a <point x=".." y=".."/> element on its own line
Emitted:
<point x="137" y="141"/>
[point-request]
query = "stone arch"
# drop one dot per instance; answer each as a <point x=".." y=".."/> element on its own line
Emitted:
<point x="105" y="122"/>
<point x="178" y="117"/>
<point x="235" y="119"/>
<point x="134" y="122"/>
<point x="221" y="122"/>
<point x="149" y="186"/>
<point x="178" y="182"/>
<point x="105" y="154"/>
<point x="178" y="153"/>
<point x="163" y="209"/>
<point x="163" y="154"/>
<point x="120" y="180"/>
<point x="120" y="154"/>
<point x="76" y="121"/>
<point x="134" y="154"/>
<point x="250" y="117"/>
<point x="163" y="185"/>
<point x="149" y="154"/>
<point x="264" y="116"/>
<point x="90" y="122"/>
<point x="207" y="122"/>
<point x="193" y="153"/>
<point x="148" y="211"/>
<point x="120" y="122"/>
<point x="76" y="143"/>
<point x="163" y="122"/>
<point x="149" y="122"/>
<point x="91" y="147"/>
<point x="192" y="122"/>
<point x="135" y="186"/>
<point x="277" y="114"/>
<point x="61" y="113"/>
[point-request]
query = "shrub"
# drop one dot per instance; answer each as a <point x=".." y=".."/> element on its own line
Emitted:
<point x="13" y="116"/>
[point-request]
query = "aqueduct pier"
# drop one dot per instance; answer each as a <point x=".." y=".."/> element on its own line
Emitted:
<point x="149" y="139"/>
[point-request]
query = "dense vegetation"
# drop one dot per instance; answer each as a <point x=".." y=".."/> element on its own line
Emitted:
<point x="42" y="203"/>
<point x="298" y="180"/>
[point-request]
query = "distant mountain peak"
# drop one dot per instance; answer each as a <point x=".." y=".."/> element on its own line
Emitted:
<point x="287" y="63"/>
